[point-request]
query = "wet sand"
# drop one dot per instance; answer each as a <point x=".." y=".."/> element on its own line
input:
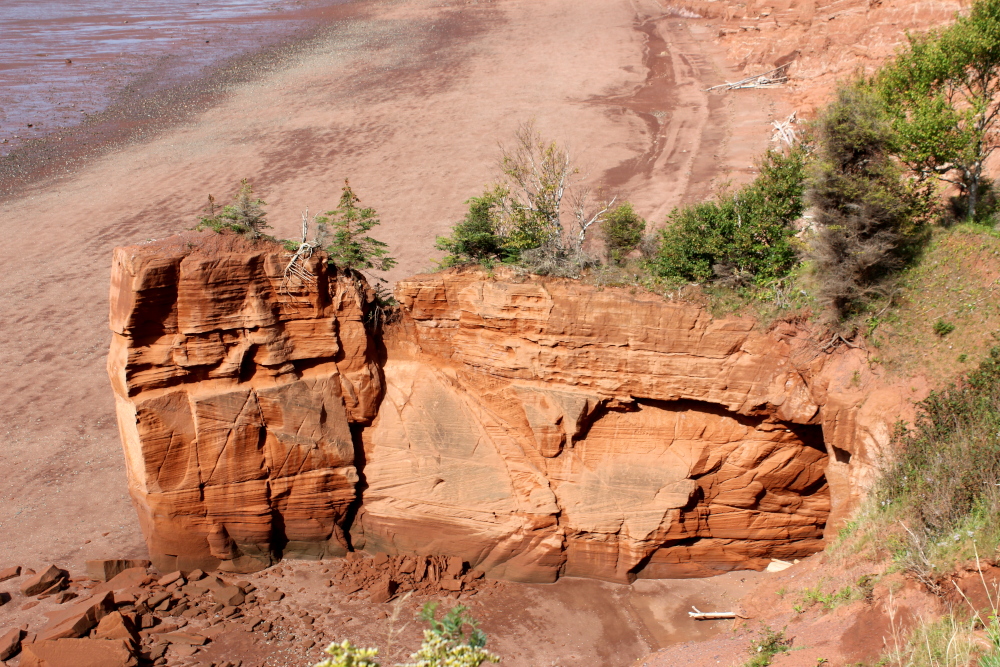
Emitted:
<point x="407" y="99"/>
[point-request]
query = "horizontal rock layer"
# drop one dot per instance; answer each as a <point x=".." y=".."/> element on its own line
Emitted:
<point x="532" y="428"/>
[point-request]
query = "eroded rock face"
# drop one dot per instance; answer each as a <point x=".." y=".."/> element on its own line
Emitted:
<point x="532" y="428"/>
<point x="546" y="429"/>
<point x="826" y="41"/>
<point x="236" y="387"/>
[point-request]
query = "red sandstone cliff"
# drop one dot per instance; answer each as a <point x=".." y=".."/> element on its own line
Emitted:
<point x="533" y="428"/>
<point x="235" y="390"/>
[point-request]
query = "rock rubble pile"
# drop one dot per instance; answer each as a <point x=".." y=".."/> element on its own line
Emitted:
<point x="383" y="577"/>
<point x="122" y="614"/>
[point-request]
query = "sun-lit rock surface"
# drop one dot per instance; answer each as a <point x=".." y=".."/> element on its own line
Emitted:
<point x="533" y="427"/>
<point x="235" y="389"/>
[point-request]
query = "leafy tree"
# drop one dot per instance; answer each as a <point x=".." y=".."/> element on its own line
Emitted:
<point x="245" y="216"/>
<point x="345" y="228"/>
<point x="942" y="92"/>
<point x="742" y="237"/>
<point x="521" y="217"/>
<point x="869" y="218"/>
<point x="623" y="229"/>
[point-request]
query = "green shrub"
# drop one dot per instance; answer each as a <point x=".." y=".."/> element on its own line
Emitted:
<point x="446" y="643"/>
<point x="942" y="328"/>
<point x="476" y="239"/>
<point x="343" y="233"/>
<point x="623" y="230"/>
<point x="743" y="238"/>
<point x="942" y="92"/>
<point x="245" y="216"/>
<point x="763" y="650"/>
<point x="948" y="465"/>
<point x="523" y="218"/>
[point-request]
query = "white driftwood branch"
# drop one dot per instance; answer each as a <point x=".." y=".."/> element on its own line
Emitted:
<point x="774" y="77"/>
<point x="712" y="615"/>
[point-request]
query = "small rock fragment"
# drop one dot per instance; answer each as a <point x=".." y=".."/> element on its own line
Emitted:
<point x="188" y="638"/>
<point x="383" y="590"/>
<point x="10" y="573"/>
<point x="168" y="579"/>
<point x="10" y="643"/>
<point x="231" y="596"/>
<point x="42" y="582"/>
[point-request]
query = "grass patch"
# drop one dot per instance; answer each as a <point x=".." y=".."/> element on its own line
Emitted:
<point x="766" y="647"/>
<point x="947" y="305"/>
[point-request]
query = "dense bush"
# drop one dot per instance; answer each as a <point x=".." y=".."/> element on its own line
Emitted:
<point x="536" y="215"/>
<point x="477" y="238"/>
<point x="742" y="237"/>
<point x="868" y="216"/>
<point x="446" y="644"/>
<point x="623" y="230"/>
<point x="245" y="216"/>
<point x="948" y="464"/>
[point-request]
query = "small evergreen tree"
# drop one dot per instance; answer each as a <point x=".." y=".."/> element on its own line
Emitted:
<point x="345" y="228"/>
<point x="245" y="216"/>
<point x="623" y="229"/>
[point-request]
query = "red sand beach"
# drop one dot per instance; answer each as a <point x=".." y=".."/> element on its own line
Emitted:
<point x="406" y="98"/>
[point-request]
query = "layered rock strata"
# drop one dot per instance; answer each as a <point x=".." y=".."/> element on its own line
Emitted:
<point x="236" y="384"/>
<point x="530" y="428"/>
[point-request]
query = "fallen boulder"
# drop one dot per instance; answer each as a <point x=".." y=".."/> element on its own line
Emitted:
<point x="130" y="578"/>
<point x="116" y="626"/>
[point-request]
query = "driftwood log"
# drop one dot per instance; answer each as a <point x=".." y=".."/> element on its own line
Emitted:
<point x="699" y="615"/>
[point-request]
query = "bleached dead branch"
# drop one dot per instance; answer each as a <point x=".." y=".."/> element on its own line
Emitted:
<point x="774" y="77"/>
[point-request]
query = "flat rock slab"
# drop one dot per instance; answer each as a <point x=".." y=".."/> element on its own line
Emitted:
<point x="107" y="569"/>
<point x="78" y="653"/>
<point x="78" y="619"/>
<point x="10" y="573"/>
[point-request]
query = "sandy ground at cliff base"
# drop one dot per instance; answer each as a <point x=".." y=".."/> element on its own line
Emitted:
<point x="407" y="99"/>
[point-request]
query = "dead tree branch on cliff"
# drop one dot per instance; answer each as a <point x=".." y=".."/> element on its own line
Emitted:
<point x="295" y="270"/>
<point x="774" y="77"/>
<point x="784" y="131"/>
